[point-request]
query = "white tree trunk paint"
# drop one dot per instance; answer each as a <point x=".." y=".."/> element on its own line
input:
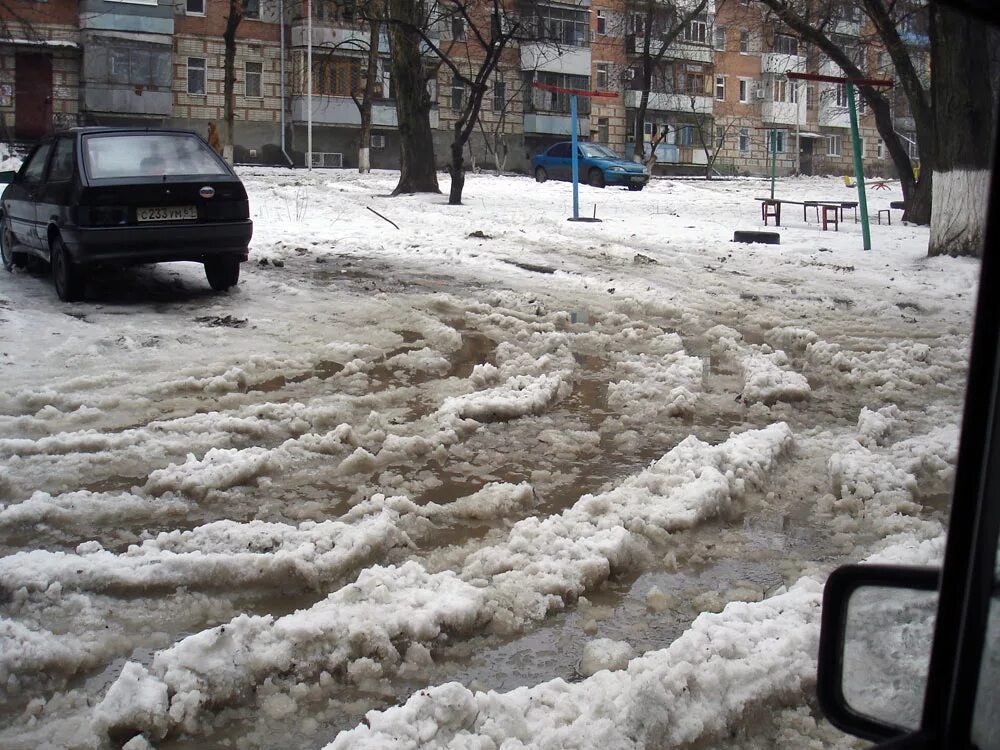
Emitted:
<point x="364" y="162"/>
<point x="958" y="212"/>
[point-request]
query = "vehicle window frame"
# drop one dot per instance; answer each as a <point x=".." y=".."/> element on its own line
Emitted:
<point x="23" y="174"/>
<point x="52" y="160"/>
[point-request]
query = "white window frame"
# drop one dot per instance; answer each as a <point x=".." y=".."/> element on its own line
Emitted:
<point x="602" y="76"/>
<point x="720" y="137"/>
<point x="135" y="2"/>
<point x="696" y="31"/>
<point x="204" y="76"/>
<point x="259" y="74"/>
<point x="720" y="88"/>
<point x="744" y="41"/>
<point x="833" y="145"/>
<point x="188" y="12"/>
<point x="880" y="149"/>
<point x="602" y="22"/>
<point x="745" y="90"/>
<point x="782" y="135"/>
<point x="744" y="140"/>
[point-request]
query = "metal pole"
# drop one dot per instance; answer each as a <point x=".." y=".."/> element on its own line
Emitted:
<point x="309" y="87"/>
<point x="774" y="158"/>
<point x="576" y="164"/>
<point x="284" y="102"/>
<point x="859" y="171"/>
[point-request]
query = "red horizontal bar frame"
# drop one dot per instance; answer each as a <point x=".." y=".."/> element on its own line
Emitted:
<point x="576" y="92"/>
<point x="878" y="83"/>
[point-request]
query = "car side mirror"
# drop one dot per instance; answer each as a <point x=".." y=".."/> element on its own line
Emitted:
<point x="875" y="645"/>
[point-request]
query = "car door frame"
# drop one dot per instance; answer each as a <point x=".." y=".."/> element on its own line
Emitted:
<point x="36" y="242"/>
<point x="52" y="198"/>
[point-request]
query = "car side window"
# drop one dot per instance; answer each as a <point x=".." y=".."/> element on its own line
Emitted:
<point x="560" y="151"/>
<point x="61" y="168"/>
<point x="35" y="168"/>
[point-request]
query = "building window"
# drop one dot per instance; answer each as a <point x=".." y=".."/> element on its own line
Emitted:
<point x="744" y="140"/>
<point x="780" y="138"/>
<point x="539" y="100"/>
<point x="719" y="38"/>
<point x="785" y="91"/>
<point x="744" y="90"/>
<point x="196" y="75"/>
<point x="833" y="145"/>
<point x="458" y="28"/>
<point x="603" y="130"/>
<point x="252" y="88"/>
<point x="637" y="24"/>
<point x="336" y="76"/>
<point x="457" y="92"/>
<point x="720" y="88"/>
<point x="697" y="30"/>
<point x="720" y="137"/>
<point x="251" y="9"/>
<point x="744" y="42"/>
<point x="880" y="149"/>
<point x="499" y="96"/>
<point x="603" y="74"/>
<point x="194" y="7"/>
<point x="602" y="22"/>
<point x="118" y="66"/>
<point x="840" y="94"/>
<point x="685" y="135"/>
<point x="786" y="45"/>
<point x="694" y="83"/>
<point x="563" y="25"/>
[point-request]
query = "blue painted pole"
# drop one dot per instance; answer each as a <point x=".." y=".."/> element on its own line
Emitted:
<point x="576" y="164"/>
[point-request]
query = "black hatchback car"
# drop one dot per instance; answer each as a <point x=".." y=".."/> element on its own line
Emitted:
<point x="123" y="196"/>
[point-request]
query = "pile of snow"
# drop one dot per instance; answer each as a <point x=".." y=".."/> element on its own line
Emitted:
<point x="605" y="653"/>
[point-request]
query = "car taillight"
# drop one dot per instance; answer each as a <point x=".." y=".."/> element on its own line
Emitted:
<point x="103" y="216"/>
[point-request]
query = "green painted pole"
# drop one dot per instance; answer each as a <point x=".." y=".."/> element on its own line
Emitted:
<point x="859" y="168"/>
<point x="774" y="158"/>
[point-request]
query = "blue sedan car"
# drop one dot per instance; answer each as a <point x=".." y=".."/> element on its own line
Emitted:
<point x="598" y="165"/>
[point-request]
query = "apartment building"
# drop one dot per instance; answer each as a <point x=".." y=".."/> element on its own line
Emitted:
<point x="720" y="91"/>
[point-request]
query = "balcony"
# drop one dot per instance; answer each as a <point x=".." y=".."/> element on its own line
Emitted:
<point x="833" y="116"/>
<point x="550" y="58"/>
<point x="341" y="110"/>
<point x="661" y="102"/>
<point x="554" y="124"/>
<point x="333" y="36"/>
<point x="679" y="50"/>
<point x="777" y="63"/>
<point x="784" y="113"/>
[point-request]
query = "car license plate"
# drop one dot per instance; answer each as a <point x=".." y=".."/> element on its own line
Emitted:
<point x="639" y="179"/>
<point x="166" y="213"/>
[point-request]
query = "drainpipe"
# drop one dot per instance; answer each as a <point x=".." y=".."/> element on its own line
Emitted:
<point x="281" y="14"/>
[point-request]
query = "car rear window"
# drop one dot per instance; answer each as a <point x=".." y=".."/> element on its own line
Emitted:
<point x="148" y="155"/>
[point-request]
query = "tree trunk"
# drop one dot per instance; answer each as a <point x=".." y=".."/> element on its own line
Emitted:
<point x="229" y="76"/>
<point x="964" y="110"/>
<point x="413" y="102"/>
<point x="457" y="171"/>
<point x="364" y="147"/>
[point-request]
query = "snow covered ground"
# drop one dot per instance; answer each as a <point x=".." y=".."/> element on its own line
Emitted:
<point x="490" y="478"/>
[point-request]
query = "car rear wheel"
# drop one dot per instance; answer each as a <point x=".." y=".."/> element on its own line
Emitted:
<point x="69" y="277"/>
<point x="635" y="188"/>
<point x="541" y="175"/>
<point x="222" y="273"/>
<point x="7" y="254"/>
<point x="596" y="178"/>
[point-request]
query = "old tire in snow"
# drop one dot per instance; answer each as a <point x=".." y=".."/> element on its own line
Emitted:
<point x="765" y="238"/>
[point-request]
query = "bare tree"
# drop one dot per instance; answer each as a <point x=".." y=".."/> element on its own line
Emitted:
<point x="711" y="135"/>
<point x="663" y="22"/>
<point x="237" y="9"/>
<point x="815" y="23"/>
<point x="494" y="131"/>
